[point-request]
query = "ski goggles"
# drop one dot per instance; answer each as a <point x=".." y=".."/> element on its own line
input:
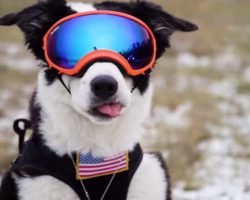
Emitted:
<point x="79" y="39"/>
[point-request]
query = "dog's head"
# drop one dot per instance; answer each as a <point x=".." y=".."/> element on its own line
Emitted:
<point x="102" y="92"/>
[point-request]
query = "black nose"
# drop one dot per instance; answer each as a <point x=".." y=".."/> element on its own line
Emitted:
<point x="104" y="86"/>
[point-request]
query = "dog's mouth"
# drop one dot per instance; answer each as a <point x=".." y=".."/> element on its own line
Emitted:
<point x="107" y="110"/>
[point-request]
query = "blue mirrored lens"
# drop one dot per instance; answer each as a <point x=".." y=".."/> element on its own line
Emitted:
<point x="75" y="38"/>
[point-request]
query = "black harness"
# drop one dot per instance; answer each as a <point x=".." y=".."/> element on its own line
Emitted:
<point x="36" y="159"/>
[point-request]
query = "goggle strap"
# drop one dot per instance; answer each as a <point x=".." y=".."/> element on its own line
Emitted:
<point x="59" y="76"/>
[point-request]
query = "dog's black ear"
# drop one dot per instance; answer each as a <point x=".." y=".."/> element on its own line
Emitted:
<point x="35" y="20"/>
<point x="162" y="23"/>
<point x="8" y="20"/>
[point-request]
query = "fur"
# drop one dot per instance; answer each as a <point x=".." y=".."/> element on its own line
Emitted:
<point x="63" y="122"/>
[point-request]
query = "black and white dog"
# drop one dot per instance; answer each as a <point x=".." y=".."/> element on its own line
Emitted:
<point x="64" y="124"/>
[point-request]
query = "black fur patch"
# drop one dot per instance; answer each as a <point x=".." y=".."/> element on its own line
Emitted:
<point x="50" y="75"/>
<point x="8" y="189"/>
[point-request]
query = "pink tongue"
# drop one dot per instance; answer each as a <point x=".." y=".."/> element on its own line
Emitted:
<point x="113" y="110"/>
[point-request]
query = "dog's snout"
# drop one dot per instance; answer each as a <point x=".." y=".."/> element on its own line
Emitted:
<point x="104" y="86"/>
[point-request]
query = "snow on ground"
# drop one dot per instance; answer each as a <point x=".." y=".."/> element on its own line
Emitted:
<point x="173" y="118"/>
<point x="14" y="56"/>
<point x="6" y="122"/>
<point x="246" y="73"/>
<point x="189" y="60"/>
<point x="228" y="59"/>
<point x="225" y="171"/>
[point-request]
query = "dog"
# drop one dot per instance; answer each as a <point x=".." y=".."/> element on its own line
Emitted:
<point x="96" y="112"/>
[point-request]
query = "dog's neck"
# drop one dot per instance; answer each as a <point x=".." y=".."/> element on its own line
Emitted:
<point x="65" y="131"/>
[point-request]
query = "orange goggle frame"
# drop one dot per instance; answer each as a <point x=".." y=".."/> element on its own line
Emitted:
<point x="103" y="53"/>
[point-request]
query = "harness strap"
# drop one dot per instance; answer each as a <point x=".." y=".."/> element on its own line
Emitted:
<point x="20" y="127"/>
<point x="38" y="160"/>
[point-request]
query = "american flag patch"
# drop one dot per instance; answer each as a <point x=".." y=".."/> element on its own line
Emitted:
<point x="89" y="166"/>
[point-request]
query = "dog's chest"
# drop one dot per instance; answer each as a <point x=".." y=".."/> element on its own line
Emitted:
<point x="45" y="168"/>
<point x="147" y="184"/>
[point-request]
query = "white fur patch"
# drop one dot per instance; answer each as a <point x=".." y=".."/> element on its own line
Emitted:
<point x="44" y="188"/>
<point x="81" y="7"/>
<point x="149" y="181"/>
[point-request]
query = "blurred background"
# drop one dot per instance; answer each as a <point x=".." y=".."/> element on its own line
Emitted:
<point x="201" y="108"/>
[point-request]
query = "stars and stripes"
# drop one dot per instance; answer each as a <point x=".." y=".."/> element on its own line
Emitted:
<point x="91" y="167"/>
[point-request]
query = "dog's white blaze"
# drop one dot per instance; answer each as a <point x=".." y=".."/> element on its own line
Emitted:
<point x="81" y="7"/>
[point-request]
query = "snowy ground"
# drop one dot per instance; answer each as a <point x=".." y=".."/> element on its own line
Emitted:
<point x="223" y="173"/>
